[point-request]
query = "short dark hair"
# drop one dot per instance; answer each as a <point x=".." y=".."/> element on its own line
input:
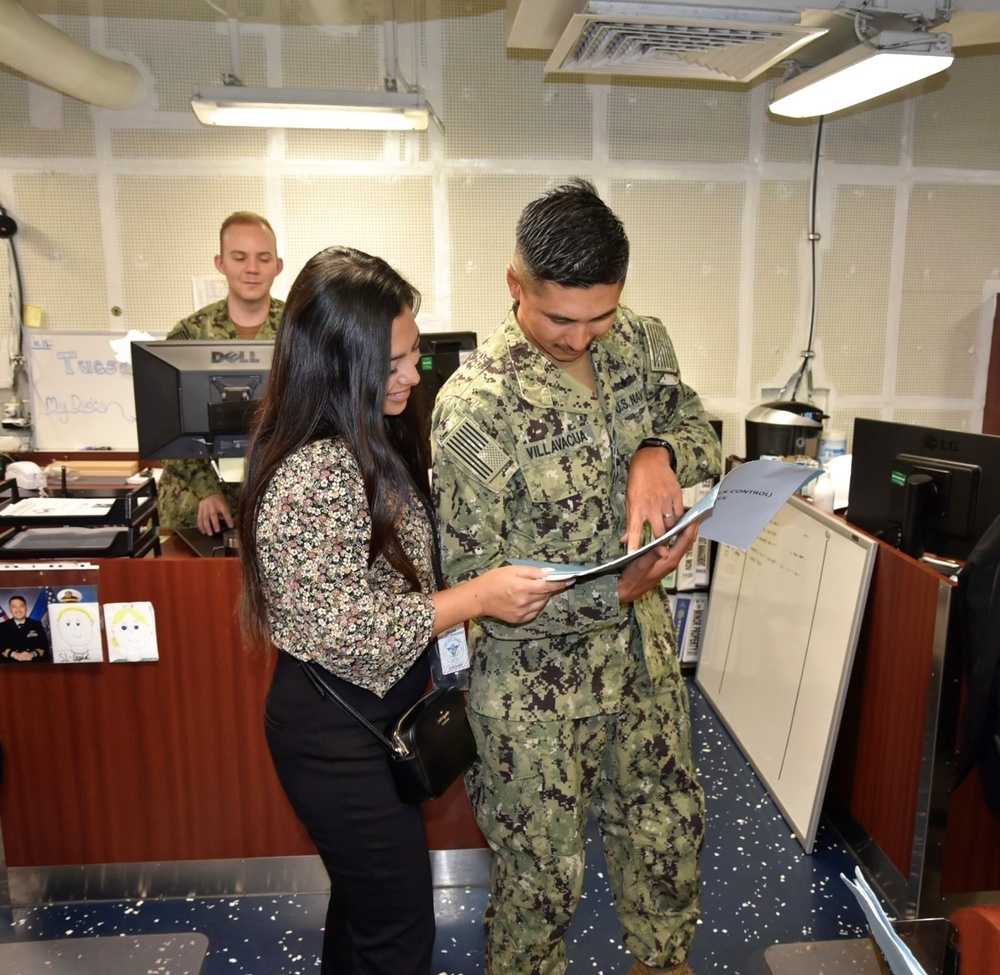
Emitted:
<point x="17" y="596"/>
<point x="246" y="218"/>
<point x="571" y="237"/>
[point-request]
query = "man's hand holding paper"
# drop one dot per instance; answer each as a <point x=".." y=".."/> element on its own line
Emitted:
<point x="652" y="496"/>
<point x="641" y="574"/>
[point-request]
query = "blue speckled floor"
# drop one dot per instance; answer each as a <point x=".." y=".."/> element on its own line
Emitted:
<point x="759" y="889"/>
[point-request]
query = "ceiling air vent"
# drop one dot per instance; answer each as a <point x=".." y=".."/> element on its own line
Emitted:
<point x="671" y="47"/>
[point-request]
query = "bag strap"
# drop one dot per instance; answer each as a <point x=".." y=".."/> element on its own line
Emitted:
<point x="316" y="678"/>
<point x="314" y="672"/>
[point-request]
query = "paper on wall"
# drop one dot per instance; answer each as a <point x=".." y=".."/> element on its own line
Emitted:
<point x="131" y="630"/>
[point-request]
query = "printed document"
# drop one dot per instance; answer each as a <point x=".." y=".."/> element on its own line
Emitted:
<point x="735" y="511"/>
<point x="59" y="508"/>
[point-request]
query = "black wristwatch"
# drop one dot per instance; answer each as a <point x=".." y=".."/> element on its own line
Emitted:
<point x="659" y="442"/>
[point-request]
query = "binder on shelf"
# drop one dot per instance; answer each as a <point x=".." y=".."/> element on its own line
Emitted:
<point x="694" y="570"/>
<point x="689" y="611"/>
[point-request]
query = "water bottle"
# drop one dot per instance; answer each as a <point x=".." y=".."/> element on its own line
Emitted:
<point x="823" y="493"/>
<point x="832" y="443"/>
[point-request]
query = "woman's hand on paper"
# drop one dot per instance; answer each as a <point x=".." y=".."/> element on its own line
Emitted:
<point x="652" y="496"/>
<point x="517" y="593"/>
<point x="641" y="574"/>
<point x="511" y="593"/>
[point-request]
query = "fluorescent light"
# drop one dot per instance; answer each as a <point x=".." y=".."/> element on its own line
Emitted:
<point x="892" y="59"/>
<point x="287" y="108"/>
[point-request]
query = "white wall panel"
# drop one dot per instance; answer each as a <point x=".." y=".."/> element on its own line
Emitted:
<point x="61" y="249"/>
<point x="36" y="122"/>
<point x="958" y="120"/>
<point x="181" y="55"/>
<point x="649" y="120"/>
<point x="483" y="211"/>
<point x="784" y="140"/>
<point x="943" y="418"/>
<point x="201" y="143"/>
<point x="391" y="217"/>
<point x="496" y="105"/>
<point x="869" y="137"/>
<point x="780" y="306"/>
<point x="852" y="314"/>
<point x="690" y="281"/>
<point x="336" y="58"/>
<point x="940" y="311"/>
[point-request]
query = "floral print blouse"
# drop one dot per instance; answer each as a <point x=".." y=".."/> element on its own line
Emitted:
<point x="324" y="602"/>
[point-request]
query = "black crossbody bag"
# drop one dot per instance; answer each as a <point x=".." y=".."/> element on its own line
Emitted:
<point x="432" y="744"/>
<point x="429" y="747"/>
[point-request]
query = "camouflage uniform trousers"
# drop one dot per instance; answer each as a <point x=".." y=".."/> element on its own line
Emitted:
<point x="532" y="791"/>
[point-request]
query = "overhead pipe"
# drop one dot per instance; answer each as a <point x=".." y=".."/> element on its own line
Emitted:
<point x="44" y="54"/>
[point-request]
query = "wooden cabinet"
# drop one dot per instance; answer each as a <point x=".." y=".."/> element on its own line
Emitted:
<point x="888" y="792"/>
<point x="127" y="762"/>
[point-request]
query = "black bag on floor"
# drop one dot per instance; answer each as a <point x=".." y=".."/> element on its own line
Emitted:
<point x="429" y="747"/>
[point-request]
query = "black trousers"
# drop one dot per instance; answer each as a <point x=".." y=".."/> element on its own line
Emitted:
<point x="381" y="915"/>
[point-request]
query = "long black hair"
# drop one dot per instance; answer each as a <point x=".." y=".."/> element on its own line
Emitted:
<point x="328" y="378"/>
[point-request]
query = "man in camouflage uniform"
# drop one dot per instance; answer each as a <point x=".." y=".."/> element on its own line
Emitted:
<point x="190" y="491"/>
<point x="558" y="441"/>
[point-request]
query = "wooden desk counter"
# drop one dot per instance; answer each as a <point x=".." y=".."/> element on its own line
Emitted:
<point x="929" y="852"/>
<point x="139" y="762"/>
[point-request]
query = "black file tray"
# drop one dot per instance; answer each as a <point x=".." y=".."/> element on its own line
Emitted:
<point x="130" y="529"/>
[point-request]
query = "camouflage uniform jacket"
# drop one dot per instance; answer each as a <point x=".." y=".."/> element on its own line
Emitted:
<point x="185" y="483"/>
<point x="528" y="463"/>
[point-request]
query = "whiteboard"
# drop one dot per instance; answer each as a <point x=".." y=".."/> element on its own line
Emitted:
<point x="81" y="395"/>
<point x="783" y="624"/>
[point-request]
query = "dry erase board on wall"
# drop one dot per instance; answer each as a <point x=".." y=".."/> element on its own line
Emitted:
<point x="783" y="623"/>
<point x="81" y="394"/>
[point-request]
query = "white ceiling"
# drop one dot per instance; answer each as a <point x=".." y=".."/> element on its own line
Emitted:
<point x="247" y="11"/>
<point x="288" y="12"/>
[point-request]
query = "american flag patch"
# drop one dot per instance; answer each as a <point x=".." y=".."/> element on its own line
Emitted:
<point x="479" y="454"/>
<point x="661" y="350"/>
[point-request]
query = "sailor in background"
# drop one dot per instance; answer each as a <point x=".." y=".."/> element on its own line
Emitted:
<point x="190" y="492"/>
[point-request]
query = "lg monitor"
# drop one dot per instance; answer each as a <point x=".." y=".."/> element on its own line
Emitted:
<point x="197" y="399"/>
<point x="923" y="489"/>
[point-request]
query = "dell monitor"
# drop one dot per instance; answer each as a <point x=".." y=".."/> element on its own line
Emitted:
<point x="923" y="489"/>
<point x="197" y="399"/>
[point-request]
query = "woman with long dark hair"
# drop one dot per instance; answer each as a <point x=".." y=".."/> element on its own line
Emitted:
<point x="337" y="549"/>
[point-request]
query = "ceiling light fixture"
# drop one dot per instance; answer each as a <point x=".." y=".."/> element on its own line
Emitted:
<point x="889" y="61"/>
<point x="288" y="108"/>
